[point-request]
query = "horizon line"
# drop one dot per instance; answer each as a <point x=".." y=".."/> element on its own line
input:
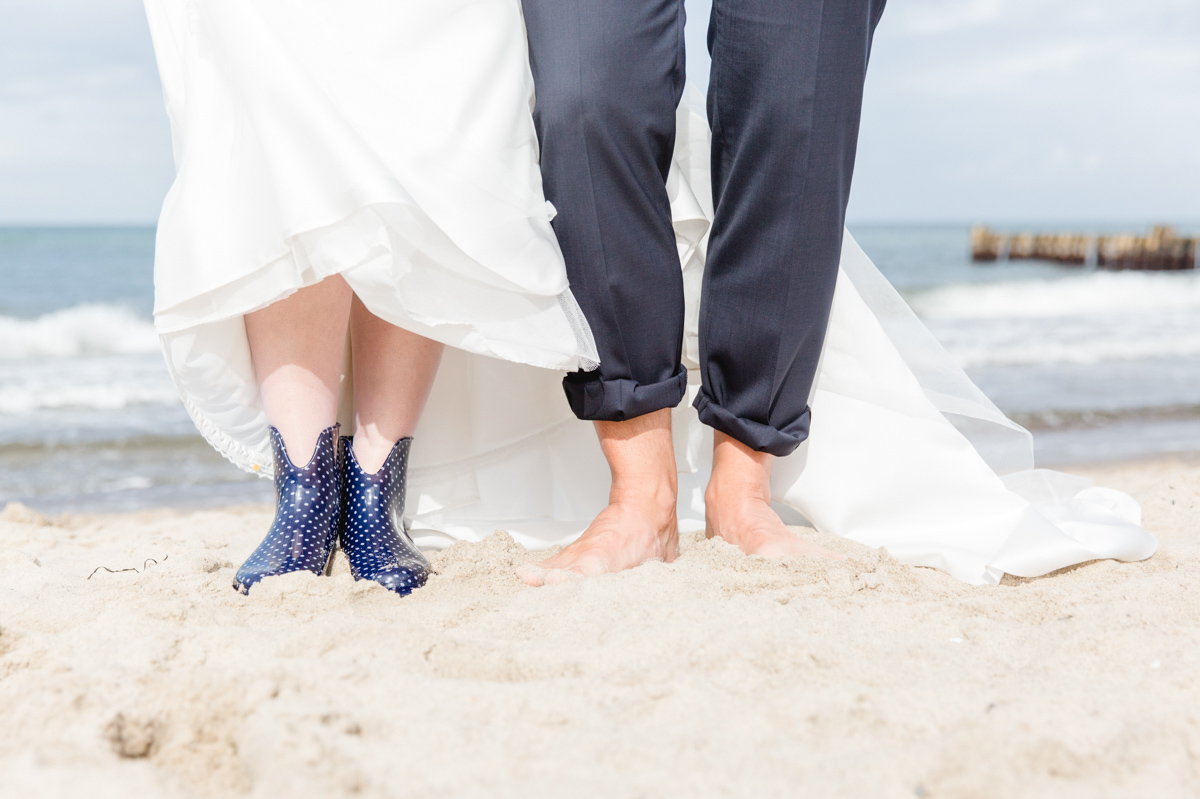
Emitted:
<point x="931" y="222"/>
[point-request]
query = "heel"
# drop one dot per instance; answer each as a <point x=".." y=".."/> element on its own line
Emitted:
<point x="374" y="537"/>
<point x="307" y="505"/>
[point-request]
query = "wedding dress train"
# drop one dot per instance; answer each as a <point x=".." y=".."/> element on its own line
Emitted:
<point x="905" y="452"/>
<point x="392" y="143"/>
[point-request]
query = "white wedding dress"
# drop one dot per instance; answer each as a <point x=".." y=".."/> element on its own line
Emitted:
<point x="392" y="143"/>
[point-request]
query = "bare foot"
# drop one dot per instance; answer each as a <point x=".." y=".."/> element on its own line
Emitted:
<point x="624" y="535"/>
<point x="737" y="505"/>
<point x="639" y="523"/>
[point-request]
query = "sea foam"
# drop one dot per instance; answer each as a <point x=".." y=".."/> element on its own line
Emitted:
<point x="81" y="331"/>
<point x="89" y="383"/>
<point x="1087" y="294"/>
<point x="88" y="358"/>
<point x="1088" y="318"/>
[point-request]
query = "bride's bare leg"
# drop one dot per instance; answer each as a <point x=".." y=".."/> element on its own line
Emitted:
<point x="297" y="345"/>
<point x="639" y="523"/>
<point x="737" y="504"/>
<point x="393" y="374"/>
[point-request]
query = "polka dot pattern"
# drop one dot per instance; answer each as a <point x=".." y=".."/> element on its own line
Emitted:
<point x="307" y="510"/>
<point x="374" y="537"/>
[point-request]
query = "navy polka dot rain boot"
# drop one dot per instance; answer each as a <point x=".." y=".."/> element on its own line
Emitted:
<point x="307" y="502"/>
<point x="373" y="534"/>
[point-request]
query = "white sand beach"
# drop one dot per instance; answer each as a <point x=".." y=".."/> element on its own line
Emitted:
<point x="717" y="675"/>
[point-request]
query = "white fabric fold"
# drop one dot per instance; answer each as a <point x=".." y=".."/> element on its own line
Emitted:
<point x="386" y="142"/>
<point x="905" y="451"/>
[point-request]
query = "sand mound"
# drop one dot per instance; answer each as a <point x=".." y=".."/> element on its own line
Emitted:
<point x="716" y="675"/>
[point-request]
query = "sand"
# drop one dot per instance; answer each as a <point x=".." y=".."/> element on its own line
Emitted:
<point x="718" y="675"/>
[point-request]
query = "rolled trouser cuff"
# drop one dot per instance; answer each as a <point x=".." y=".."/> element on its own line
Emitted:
<point x="599" y="400"/>
<point x="755" y="435"/>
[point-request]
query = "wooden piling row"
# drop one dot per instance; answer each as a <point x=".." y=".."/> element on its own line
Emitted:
<point x="1162" y="249"/>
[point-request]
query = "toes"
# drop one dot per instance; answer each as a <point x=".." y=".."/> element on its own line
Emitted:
<point x="814" y="551"/>
<point x="531" y="574"/>
<point x="560" y="576"/>
<point x="805" y="550"/>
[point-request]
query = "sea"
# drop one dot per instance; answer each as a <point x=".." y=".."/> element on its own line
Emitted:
<point x="1100" y="365"/>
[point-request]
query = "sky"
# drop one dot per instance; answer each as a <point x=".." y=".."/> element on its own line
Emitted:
<point x="975" y="111"/>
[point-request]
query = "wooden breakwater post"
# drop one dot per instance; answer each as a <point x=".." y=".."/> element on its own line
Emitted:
<point x="985" y="244"/>
<point x="1161" y="250"/>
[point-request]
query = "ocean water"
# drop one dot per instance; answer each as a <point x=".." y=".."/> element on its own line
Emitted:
<point x="1100" y="365"/>
<point x="89" y="417"/>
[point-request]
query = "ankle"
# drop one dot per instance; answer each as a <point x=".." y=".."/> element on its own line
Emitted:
<point x="656" y="495"/>
<point x="641" y="455"/>
<point x="370" y="457"/>
<point x="739" y="474"/>
<point x="370" y="453"/>
<point x="730" y="494"/>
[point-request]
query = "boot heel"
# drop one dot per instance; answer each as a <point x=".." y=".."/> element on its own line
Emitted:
<point x="374" y="535"/>
<point x="307" y="515"/>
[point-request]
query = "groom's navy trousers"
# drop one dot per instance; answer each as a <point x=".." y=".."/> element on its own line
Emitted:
<point x="784" y="99"/>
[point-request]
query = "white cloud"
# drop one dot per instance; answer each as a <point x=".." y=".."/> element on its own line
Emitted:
<point x="928" y="17"/>
<point x="1069" y="109"/>
<point x="974" y="109"/>
<point x="1001" y="71"/>
<point x="84" y="136"/>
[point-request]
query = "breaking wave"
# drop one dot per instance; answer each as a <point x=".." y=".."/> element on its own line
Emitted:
<point x="81" y="331"/>
<point x="1100" y="316"/>
<point x="1088" y="294"/>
